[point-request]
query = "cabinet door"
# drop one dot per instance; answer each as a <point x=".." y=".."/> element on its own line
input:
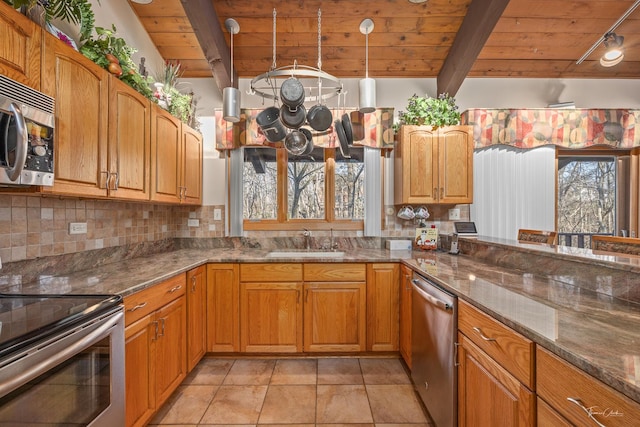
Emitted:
<point x="171" y="346"/>
<point x="334" y="316"/>
<point x="129" y="142"/>
<point x="405" y="313"/>
<point x="20" y="47"/>
<point x="223" y="308"/>
<point x="81" y="91"/>
<point x="383" y="307"/>
<point x="487" y="394"/>
<point x="166" y="139"/>
<point x="270" y="317"/>
<point x="416" y="179"/>
<point x="139" y="385"/>
<point x="455" y="177"/>
<point x="192" y="164"/>
<point x="196" y="316"/>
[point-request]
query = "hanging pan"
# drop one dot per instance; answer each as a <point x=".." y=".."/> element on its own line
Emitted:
<point x="269" y="122"/>
<point x="342" y="138"/>
<point x="293" y="118"/>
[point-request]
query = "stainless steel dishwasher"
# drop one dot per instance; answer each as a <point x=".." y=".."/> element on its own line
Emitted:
<point x="433" y="337"/>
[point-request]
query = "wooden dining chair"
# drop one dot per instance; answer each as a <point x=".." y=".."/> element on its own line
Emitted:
<point x="623" y="245"/>
<point x="537" y="236"/>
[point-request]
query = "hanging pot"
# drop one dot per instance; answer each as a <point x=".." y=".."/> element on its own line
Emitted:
<point x="357" y="125"/>
<point x="342" y="138"/>
<point x="309" y="148"/>
<point x="295" y="142"/>
<point x="269" y="122"/>
<point x="293" y="118"/>
<point x="292" y="92"/>
<point x="348" y="130"/>
<point x="319" y="117"/>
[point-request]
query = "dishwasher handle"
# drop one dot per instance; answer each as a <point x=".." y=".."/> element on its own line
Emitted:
<point x="431" y="299"/>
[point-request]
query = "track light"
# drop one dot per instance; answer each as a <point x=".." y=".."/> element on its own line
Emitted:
<point x="614" y="53"/>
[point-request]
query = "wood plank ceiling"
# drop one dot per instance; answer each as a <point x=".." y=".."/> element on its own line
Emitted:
<point x="536" y="39"/>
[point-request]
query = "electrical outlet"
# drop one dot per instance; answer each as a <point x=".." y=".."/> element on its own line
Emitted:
<point x="77" y="228"/>
<point x="454" y="214"/>
<point x="193" y="222"/>
<point x="217" y="214"/>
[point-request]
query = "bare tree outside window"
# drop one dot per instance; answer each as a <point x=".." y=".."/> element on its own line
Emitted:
<point x="260" y="184"/>
<point x="306" y="186"/>
<point x="586" y="195"/>
<point x="349" y="194"/>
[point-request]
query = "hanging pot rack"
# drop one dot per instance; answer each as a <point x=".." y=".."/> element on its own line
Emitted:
<point x="326" y="87"/>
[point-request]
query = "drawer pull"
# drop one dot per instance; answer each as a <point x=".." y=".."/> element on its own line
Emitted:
<point x="138" y="306"/>
<point x="175" y="288"/>
<point x="483" y="336"/>
<point x="589" y="413"/>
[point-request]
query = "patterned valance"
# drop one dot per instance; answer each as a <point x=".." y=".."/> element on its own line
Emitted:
<point x="568" y="128"/>
<point x="378" y="131"/>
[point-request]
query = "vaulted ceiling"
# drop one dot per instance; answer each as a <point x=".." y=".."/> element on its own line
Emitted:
<point x="447" y="39"/>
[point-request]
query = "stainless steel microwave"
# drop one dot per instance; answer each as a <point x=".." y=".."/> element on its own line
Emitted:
<point x="27" y="119"/>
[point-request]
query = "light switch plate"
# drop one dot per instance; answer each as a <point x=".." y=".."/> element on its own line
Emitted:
<point x="77" y="228"/>
<point x="454" y="214"/>
<point x="217" y="214"/>
<point x="193" y="222"/>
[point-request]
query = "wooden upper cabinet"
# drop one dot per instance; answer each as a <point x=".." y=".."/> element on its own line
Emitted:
<point x="129" y="142"/>
<point x="192" y="164"/>
<point x="166" y="140"/>
<point x="434" y="165"/>
<point x="20" y="47"/>
<point x="81" y="91"/>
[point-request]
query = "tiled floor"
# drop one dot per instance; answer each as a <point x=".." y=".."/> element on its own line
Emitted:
<point x="354" y="392"/>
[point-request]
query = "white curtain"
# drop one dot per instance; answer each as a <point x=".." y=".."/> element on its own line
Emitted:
<point x="513" y="189"/>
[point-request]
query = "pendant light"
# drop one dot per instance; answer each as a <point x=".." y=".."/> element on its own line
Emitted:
<point x="367" y="85"/>
<point x="231" y="95"/>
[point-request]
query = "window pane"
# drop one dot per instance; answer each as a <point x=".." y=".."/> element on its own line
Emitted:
<point x="305" y="186"/>
<point x="259" y="184"/>
<point x="349" y="192"/>
<point x="586" y="196"/>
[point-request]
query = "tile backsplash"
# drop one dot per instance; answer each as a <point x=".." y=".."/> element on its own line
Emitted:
<point x="32" y="227"/>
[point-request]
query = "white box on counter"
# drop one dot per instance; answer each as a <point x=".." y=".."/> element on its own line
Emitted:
<point x="398" y="245"/>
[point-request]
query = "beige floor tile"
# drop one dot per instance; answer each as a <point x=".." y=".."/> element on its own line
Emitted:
<point x="403" y="425"/>
<point x="289" y="404"/>
<point x="339" y="371"/>
<point x="343" y="404"/>
<point x="250" y="372"/>
<point x="383" y="371"/>
<point x="295" y="371"/>
<point x="209" y="371"/>
<point x="236" y="405"/>
<point x="395" y="404"/>
<point x="186" y="405"/>
<point x="344" y="425"/>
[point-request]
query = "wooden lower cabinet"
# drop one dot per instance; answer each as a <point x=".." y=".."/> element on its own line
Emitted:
<point x="549" y="417"/>
<point x="271" y="317"/>
<point x="196" y="315"/>
<point x="155" y="347"/>
<point x="488" y="395"/>
<point x="383" y="306"/>
<point x="223" y="308"/>
<point x="334" y="316"/>
<point x="406" y="274"/>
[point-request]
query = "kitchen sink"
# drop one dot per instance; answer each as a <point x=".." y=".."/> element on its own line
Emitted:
<point x="305" y="254"/>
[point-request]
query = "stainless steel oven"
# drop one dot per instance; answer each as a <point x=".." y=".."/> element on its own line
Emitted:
<point x="26" y="135"/>
<point x="62" y="361"/>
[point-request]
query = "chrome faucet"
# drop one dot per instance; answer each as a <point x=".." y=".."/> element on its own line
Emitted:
<point x="333" y="245"/>
<point x="307" y="238"/>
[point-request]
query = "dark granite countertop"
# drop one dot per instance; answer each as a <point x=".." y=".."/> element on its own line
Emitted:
<point x="594" y="331"/>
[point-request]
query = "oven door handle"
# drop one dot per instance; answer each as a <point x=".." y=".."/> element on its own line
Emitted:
<point x="14" y="171"/>
<point x="102" y="331"/>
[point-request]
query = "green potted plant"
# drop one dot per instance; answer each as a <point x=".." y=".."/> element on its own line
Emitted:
<point x="180" y="105"/>
<point x="114" y="54"/>
<point x="77" y="12"/>
<point x="435" y="112"/>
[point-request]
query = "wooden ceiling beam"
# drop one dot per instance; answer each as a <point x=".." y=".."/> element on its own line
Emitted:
<point x="205" y="23"/>
<point x="481" y="18"/>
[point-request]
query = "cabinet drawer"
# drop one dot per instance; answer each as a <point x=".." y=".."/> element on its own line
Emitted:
<point x="510" y="349"/>
<point x="271" y="272"/>
<point x="138" y="305"/>
<point x="549" y="417"/>
<point x="333" y="272"/>
<point x="558" y="381"/>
